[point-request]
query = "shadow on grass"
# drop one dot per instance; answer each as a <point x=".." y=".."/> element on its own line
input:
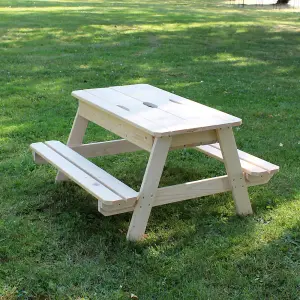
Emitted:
<point x="193" y="244"/>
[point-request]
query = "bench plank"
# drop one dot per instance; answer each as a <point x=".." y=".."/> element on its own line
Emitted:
<point x="271" y="168"/>
<point x="77" y="175"/>
<point x="94" y="171"/>
<point x="246" y="166"/>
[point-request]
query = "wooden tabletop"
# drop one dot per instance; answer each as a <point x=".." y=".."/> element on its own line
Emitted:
<point x="154" y="110"/>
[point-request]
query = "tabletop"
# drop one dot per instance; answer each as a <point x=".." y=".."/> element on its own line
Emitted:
<point x="154" y="110"/>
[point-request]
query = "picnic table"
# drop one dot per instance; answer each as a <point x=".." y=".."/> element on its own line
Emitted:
<point x="151" y="119"/>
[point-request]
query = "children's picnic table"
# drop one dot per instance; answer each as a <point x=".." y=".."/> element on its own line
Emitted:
<point x="157" y="121"/>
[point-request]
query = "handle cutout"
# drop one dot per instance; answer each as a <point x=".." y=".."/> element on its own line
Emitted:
<point x="149" y="104"/>
<point x="125" y="108"/>
<point x="174" y="101"/>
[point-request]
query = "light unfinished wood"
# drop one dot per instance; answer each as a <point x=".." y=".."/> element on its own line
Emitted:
<point x="111" y="123"/>
<point x="195" y="116"/>
<point x="254" y="166"/>
<point x="151" y="119"/>
<point x="184" y="108"/>
<point x="112" y="183"/>
<point x="176" y="193"/>
<point x="75" y="138"/>
<point x="194" y="139"/>
<point x="154" y="115"/>
<point x="78" y="130"/>
<point x="116" y="111"/>
<point x="109" y="210"/>
<point x="164" y="195"/>
<point x="106" y="148"/>
<point x="107" y="213"/>
<point x="192" y="190"/>
<point x="270" y="168"/>
<point x="234" y="171"/>
<point x="149" y="187"/>
<point x="77" y="175"/>
<point x="38" y="159"/>
<point x="124" y="146"/>
<point x="250" y="164"/>
<point x="157" y="112"/>
<point x="257" y="180"/>
<point x="217" y="153"/>
<point x="98" y="149"/>
<point x="187" y="191"/>
<point x="116" y="205"/>
<point x="200" y="188"/>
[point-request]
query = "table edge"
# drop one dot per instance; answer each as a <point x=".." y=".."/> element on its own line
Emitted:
<point x="160" y="133"/>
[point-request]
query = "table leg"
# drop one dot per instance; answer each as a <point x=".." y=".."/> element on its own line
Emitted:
<point x="234" y="171"/>
<point x="149" y="187"/>
<point x="75" y="138"/>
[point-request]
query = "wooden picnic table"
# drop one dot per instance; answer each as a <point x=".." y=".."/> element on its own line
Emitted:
<point x="157" y="121"/>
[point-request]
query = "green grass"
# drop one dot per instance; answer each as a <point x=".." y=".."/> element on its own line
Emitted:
<point x="53" y="242"/>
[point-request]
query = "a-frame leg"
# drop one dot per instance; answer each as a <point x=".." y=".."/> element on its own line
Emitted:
<point x="75" y="138"/>
<point x="234" y="171"/>
<point x="149" y="187"/>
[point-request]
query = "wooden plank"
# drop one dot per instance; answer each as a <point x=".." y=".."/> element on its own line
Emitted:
<point x="38" y="159"/>
<point x="162" y="119"/>
<point x="168" y="114"/>
<point x="107" y="213"/>
<point x="149" y="187"/>
<point x="234" y="171"/>
<point x="270" y="168"/>
<point x="109" y="210"/>
<point x="106" y="148"/>
<point x="246" y="167"/>
<point x="198" y="116"/>
<point x="118" y="206"/>
<point x="200" y="188"/>
<point x="78" y="130"/>
<point x="111" y="123"/>
<point x="257" y="180"/>
<point x="191" y="190"/>
<point x="193" y="139"/>
<point x="133" y="120"/>
<point x="186" y="191"/>
<point x="77" y="175"/>
<point x="124" y="146"/>
<point x="75" y="138"/>
<point x="112" y="183"/>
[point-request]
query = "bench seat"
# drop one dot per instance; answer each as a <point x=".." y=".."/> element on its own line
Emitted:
<point x="115" y="197"/>
<point x="251" y="165"/>
<point x="256" y="172"/>
<point x="109" y="191"/>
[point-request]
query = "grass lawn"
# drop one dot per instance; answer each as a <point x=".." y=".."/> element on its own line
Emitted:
<point x="246" y="62"/>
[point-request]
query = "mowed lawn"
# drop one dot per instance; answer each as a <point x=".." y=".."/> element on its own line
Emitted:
<point x="53" y="242"/>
